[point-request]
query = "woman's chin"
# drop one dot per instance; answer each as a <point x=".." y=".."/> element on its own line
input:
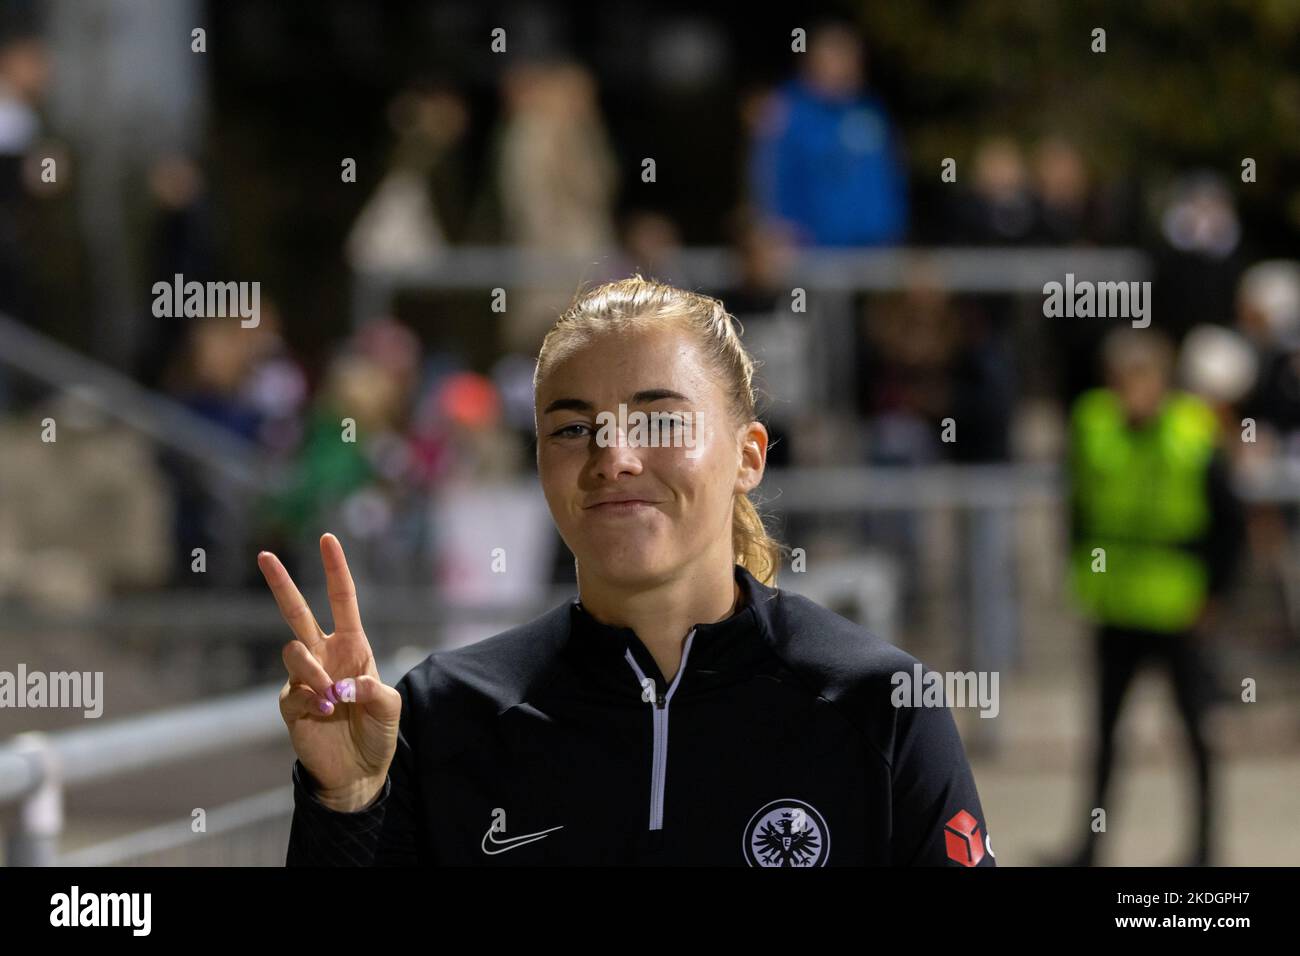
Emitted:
<point x="614" y="545"/>
<point x="628" y="566"/>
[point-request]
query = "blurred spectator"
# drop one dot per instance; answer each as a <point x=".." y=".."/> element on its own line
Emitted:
<point x="778" y="338"/>
<point x="1198" y="257"/>
<point x="1155" y="531"/>
<point x="999" y="206"/>
<point x="1063" y="189"/>
<point x="909" y="342"/>
<point x="352" y="418"/>
<point x="906" y="388"/>
<point x="1069" y="209"/>
<point x="648" y="241"/>
<point x="400" y="226"/>
<point x="211" y="377"/>
<point x="246" y="381"/>
<point x="557" y="178"/>
<point x="208" y="378"/>
<point x="1268" y="313"/>
<point x="925" y="358"/>
<point x="355" y="430"/>
<point x="984" y="389"/>
<point x="24" y="76"/>
<point x="1073" y="205"/>
<point x="396" y="349"/>
<point x="825" y="158"/>
<point x="459" y="433"/>
<point x="274" y="386"/>
<point x="1219" y="366"/>
<point x="181" y="243"/>
<point x="513" y="376"/>
<point x="558" y="173"/>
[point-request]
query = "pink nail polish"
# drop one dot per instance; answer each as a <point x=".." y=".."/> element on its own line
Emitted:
<point x="329" y="693"/>
<point x="326" y="707"/>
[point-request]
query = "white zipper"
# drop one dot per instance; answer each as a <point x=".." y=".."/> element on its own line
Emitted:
<point x="659" y="716"/>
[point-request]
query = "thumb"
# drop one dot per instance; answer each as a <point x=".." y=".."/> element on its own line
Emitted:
<point x="372" y="693"/>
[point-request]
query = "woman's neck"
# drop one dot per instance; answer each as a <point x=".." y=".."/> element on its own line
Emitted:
<point x="662" y="615"/>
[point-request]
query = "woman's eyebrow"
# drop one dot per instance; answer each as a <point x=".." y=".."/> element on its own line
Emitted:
<point x="567" y="404"/>
<point x="643" y="397"/>
<point x="656" y="394"/>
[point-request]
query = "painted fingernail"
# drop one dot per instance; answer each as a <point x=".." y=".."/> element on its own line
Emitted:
<point x="326" y="707"/>
<point x="347" y="690"/>
<point x="329" y="692"/>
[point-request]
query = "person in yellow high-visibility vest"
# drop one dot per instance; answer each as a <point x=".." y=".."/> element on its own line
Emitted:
<point x="1155" y="530"/>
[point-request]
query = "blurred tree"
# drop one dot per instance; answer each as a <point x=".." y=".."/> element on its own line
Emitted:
<point x="1179" y="84"/>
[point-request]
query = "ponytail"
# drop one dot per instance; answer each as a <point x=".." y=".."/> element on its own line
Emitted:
<point x="756" y="551"/>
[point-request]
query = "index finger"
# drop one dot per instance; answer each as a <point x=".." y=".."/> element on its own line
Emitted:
<point x="293" y="606"/>
<point x="338" y="582"/>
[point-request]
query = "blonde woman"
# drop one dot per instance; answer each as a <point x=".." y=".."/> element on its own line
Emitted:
<point x="681" y="709"/>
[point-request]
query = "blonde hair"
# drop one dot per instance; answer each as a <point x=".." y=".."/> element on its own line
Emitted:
<point x="637" y="303"/>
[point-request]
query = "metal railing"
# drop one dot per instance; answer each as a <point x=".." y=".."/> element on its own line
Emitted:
<point x="36" y="768"/>
<point x="958" y="269"/>
<point x="117" y="397"/>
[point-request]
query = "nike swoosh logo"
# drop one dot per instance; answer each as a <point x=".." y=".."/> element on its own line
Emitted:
<point x="511" y="843"/>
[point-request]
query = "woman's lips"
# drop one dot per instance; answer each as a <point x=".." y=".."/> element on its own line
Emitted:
<point x="621" y="507"/>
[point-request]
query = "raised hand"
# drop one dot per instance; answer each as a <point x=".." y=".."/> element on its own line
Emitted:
<point x="342" y="718"/>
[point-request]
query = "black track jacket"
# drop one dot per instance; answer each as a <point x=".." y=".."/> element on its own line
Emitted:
<point x="560" y="742"/>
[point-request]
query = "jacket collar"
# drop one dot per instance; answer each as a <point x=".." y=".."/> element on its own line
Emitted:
<point x="710" y="644"/>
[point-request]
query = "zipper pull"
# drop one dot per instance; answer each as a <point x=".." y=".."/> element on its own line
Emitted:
<point x="650" y="694"/>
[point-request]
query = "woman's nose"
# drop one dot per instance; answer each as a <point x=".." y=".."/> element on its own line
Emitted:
<point x="615" y="457"/>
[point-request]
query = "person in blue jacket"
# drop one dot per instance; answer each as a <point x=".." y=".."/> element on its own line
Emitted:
<point x="680" y="709"/>
<point x="825" y="158"/>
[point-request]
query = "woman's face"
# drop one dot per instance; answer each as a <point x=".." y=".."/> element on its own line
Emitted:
<point x="639" y="507"/>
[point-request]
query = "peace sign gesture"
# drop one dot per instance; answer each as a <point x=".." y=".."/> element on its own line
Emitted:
<point x="342" y="718"/>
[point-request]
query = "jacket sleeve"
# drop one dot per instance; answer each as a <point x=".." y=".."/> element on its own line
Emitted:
<point x="937" y="817"/>
<point x="383" y="834"/>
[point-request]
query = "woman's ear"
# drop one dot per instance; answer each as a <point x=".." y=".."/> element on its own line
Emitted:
<point x="753" y="456"/>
